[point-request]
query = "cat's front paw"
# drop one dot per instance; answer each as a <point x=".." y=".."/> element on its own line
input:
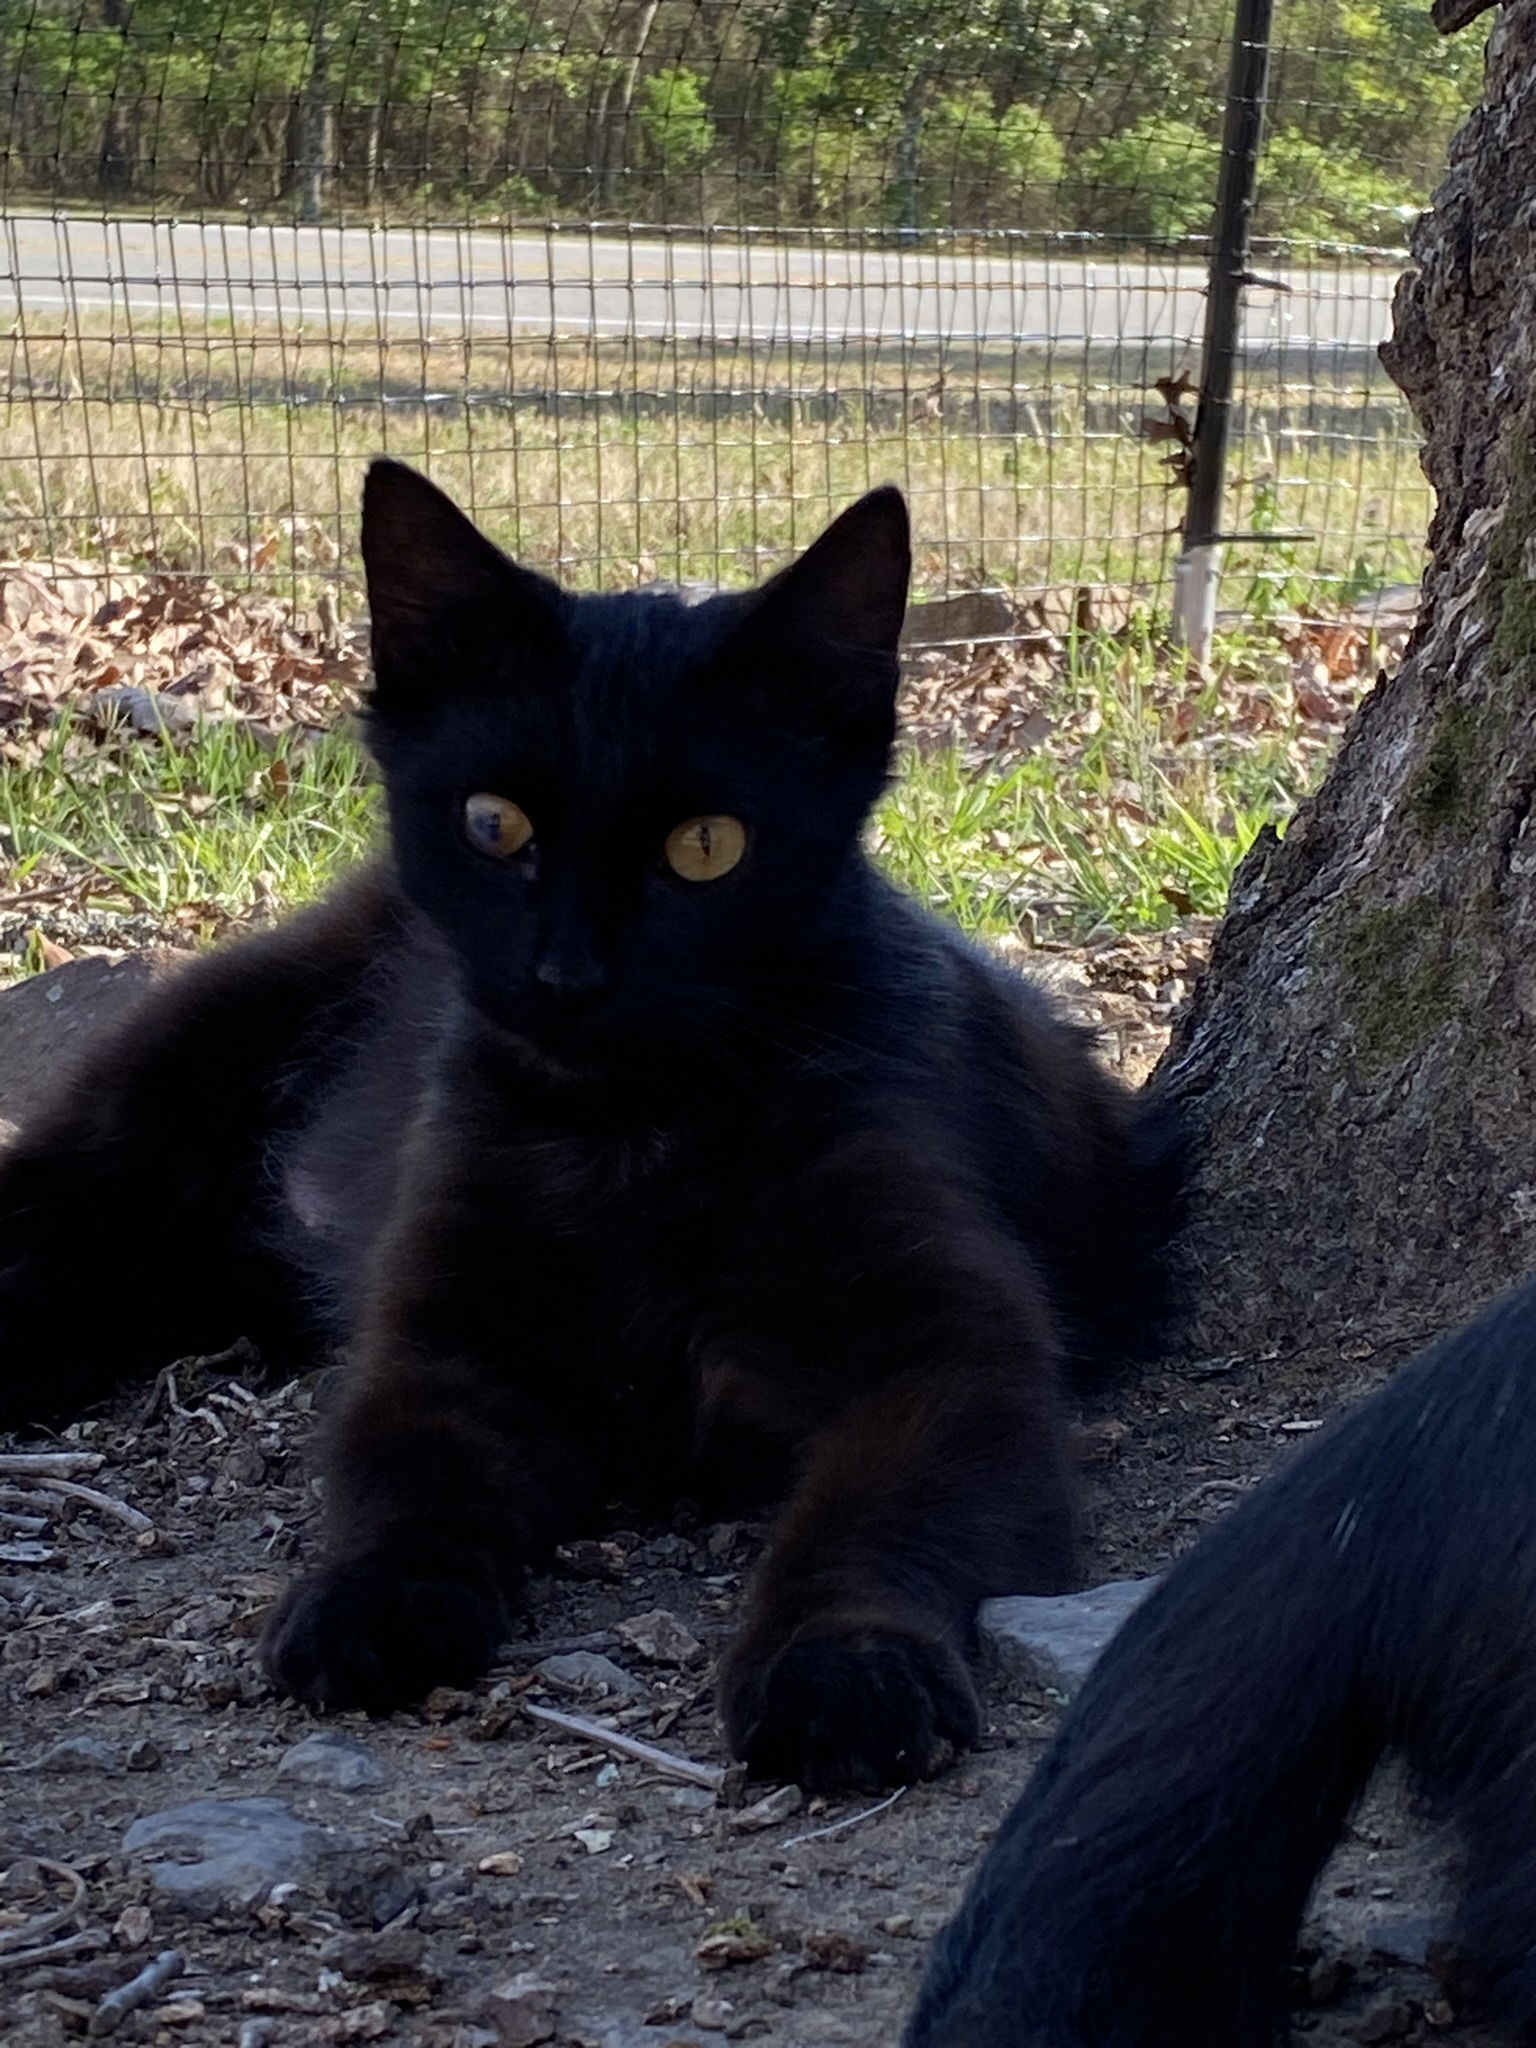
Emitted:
<point x="380" y="1632"/>
<point x="849" y="1711"/>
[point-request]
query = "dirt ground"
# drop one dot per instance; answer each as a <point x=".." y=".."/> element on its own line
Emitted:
<point x="625" y="1909"/>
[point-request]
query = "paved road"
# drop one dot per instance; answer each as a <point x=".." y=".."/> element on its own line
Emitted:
<point x="447" y="282"/>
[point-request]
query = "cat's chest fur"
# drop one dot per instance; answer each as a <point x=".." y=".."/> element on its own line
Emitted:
<point x="608" y="1242"/>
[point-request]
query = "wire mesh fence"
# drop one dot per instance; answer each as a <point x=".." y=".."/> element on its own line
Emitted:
<point x="654" y="285"/>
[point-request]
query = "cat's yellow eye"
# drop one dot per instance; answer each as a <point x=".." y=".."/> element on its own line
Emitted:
<point x="704" y="849"/>
<point x="496" y="825"/>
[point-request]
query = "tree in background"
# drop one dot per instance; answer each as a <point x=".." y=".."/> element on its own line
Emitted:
<point x="918" y="114"/>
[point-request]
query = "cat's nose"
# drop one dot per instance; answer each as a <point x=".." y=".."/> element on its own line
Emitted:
<point x="574" y="981"/>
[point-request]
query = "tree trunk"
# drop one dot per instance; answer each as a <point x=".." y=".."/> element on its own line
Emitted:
<point x="616" y="148"/>
<point x="319" y="123"/>
<point x="1359" y="1064"/>
<point x="372" y="145"/>
<point x="114" y="158"/>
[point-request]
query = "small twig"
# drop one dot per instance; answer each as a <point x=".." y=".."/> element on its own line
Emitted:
<point x="51" y="1951"/>
<point x="59" y="1950"/>
<point x="118" y="1509"/>
<point x="1209" y="1489"/>
<point x="116" y="2005"/>
<point x="708" y="1775"/>
<point x="32" y="1931"/>
<point x="557" y="1646"/>
<point x="49" y="1464"/>
<point x="836" y="1827"/>
<point x="20" y="1525"/>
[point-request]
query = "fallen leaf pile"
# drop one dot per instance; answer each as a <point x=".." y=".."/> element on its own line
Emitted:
<point x="1003" y="702"/>
<point x="159" y="653"/>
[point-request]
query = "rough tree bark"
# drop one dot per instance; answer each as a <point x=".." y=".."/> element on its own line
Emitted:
<point x="1360" y="1061"/>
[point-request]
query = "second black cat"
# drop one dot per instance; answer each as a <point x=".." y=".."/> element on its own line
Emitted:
<point x="632" y="1136"/>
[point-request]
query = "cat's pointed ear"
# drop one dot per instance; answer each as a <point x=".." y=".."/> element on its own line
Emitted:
<point x="437" y="588"/>
<point x="848" y="591"/>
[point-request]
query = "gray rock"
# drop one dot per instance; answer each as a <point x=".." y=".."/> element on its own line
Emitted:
<point x="339" y="1762"/>
<point x="1057" y="1640"/>
<point x="1408" y="1937"/>
<point x="151" y="711"/>
<point x="522" y="2011"/>
<point x="768" y="1811"/>
<point x="660" y="1638"/>
<point x="969" y="615"/>
<point x="214" y="1856"/>
<point x="368" y="1887"/>
<point x="48" y="1020"/>
<point x="376" y="1958"/>
<point x="693" y="1799"/>
<point x="586" y="1671"/>
<point x="80" y="1753"/>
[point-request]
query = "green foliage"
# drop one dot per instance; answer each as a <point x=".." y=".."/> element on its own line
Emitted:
<point x="828" y="159"/>
<point x="1108" y="826"/>
<point x="964" y="114"/>
<point x="674" y="118"/>
<point x="1314" y="194"/>
<point x="206" y="829"/>
<point x="987" y="169"/>
<point x="1155" y="180"/>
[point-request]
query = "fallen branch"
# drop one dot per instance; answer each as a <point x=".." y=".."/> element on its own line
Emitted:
<point x="116" y="2005"/>
<point x="557" y="1646"/>
<point x="20" y="1525"/>
<point x="836" y="1827"/>
<point x="104" y="1502"/>
<point x="32" y="1931"/>
<point x="708" y="1775"/>
<point x="52" y="1951"/>
<point x="49" y="1464"/>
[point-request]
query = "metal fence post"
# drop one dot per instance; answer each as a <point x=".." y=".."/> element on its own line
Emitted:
<point x="1197" y="571"/>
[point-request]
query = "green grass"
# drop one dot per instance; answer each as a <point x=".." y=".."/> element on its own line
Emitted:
<point x="608" y="462"/>
<point x="1109" y="826"/>
<point x="199" y="834"/>
<point x="240" y="451"/>
<point x="1021" y="851"/>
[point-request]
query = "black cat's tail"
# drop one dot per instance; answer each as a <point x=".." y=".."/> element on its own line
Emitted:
<point x="157" y="1136"/>
<point x="1380" y="1594"/>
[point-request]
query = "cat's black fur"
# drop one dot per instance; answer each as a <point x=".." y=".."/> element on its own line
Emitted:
<point x="616" y="1184"/>
<point x="1378" y="1596"/>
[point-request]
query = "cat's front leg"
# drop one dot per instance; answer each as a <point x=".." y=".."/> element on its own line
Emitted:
<point x="443" y="1489"/>
<point x="940" y="1478"/>
<point x="922" y="1499"/>
<point x="460" y="1451"/>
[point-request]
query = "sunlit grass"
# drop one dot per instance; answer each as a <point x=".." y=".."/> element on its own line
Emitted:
<point x="1111" y="829"/>
<point x="612" y="462"/>
<point x="199" y="832"/>
<point x="1107" y="827"/>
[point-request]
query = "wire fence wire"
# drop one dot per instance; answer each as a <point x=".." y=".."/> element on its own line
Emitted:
<point x="655" y="286"/>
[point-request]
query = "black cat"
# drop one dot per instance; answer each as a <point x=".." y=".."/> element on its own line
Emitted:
<point x="1379" y="1595"/>
<point x="636" y="1136"/>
